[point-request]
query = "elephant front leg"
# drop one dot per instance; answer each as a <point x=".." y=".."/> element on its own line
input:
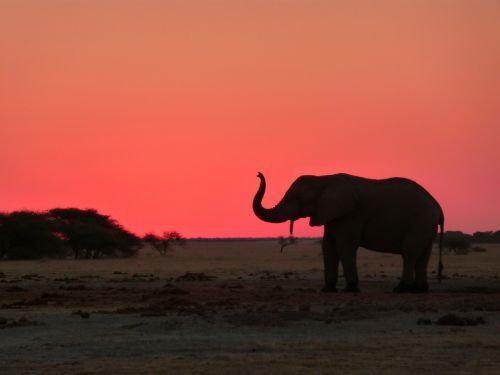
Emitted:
<point x="350" y="273"/>
<point x="330" y="262"/>
<point x="347" y="250"/>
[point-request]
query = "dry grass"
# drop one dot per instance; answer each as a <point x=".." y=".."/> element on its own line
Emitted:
<point x="244" y="307"/>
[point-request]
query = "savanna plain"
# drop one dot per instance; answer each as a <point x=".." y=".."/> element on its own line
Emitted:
<point x="227" y="307"/>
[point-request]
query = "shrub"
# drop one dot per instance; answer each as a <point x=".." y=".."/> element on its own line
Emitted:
<point x="164" y="243"/>
<point x="478" y="249"/>
<point x="457" y="241"/>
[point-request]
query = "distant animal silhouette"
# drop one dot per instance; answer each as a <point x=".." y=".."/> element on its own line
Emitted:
<point x="394" y="215"/>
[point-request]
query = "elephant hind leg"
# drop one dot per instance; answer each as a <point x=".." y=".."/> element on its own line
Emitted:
<point x="411" y="251"/>
<point x="406" y="284"/>
<point x="416" y="253"/>
<point x="409" y="262"/>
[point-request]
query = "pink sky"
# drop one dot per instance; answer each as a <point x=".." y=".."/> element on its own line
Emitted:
<point x="160" y="113"/>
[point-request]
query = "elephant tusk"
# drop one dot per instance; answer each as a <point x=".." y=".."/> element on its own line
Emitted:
<point x="291" y="227"/>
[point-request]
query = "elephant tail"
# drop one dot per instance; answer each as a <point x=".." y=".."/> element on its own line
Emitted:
<point x="441" y="230"/>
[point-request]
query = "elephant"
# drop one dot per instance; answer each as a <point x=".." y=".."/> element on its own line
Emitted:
<point x="393" y="215"/>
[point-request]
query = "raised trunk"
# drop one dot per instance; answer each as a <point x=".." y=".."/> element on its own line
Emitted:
<point x="270" y="215"/>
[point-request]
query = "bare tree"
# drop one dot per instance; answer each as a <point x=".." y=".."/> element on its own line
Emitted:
<point x="286" y="241"/>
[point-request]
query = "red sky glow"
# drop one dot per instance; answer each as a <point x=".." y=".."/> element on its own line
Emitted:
<point x="160" y="113"/>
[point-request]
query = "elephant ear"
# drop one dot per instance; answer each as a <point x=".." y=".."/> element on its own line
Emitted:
<point x="337" y="199"/>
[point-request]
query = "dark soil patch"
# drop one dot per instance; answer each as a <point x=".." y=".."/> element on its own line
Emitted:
<point x="477" y="289"/>
<point x="81" y="314"/>
<point x="232" y="286"/>
<point x="132" y="326"/>
<point x="20" y="322"/>
<point x="16" y="288"/>
<point x="195" y="276"/>
<point x="73" y="287"/>
<point x="53" y="296"/>
<point x="68" y="280"/>
<point x="91" y="277"/>
<point x="25" y="302"/>
<point x="171" y="289"/>
<point x="135" y="279"/>
<point x="269" y="318"/>
<point x="143" y="275"/>
<point x="32" y="276"/>
<point x="424" y="322"/>
<point x="178" y="305"/>
<point x="455" y="320"/>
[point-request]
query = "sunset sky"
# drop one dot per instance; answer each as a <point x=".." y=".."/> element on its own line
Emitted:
<point x="160" y="113"/>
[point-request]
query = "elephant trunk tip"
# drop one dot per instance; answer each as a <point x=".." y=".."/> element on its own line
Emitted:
<point x="273" y="215"/>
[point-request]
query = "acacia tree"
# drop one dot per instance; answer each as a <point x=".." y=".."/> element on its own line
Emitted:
<point x="93" y="235"/>
<point x="29" y="235"/>
<point x="60" y="231"/>
<point x="165" y="242"/>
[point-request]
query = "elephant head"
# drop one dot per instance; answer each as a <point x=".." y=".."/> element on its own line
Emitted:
<point x="321" y="198"/>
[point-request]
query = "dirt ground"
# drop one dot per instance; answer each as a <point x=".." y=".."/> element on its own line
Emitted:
<point x="243" y="307"/>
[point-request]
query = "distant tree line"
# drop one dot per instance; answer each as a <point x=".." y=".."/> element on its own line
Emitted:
<point x="85" y="234"/>
<point x="72" y="232"/>
<point x="486" y="237"/>
<point x="459" y="241"/>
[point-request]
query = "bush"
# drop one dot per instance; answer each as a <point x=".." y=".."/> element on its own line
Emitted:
<point x="457" y="241"/>
<point x="478" y="249"/>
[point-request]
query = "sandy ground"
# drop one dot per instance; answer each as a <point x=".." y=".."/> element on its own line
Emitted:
<point x="244" y="307"/>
